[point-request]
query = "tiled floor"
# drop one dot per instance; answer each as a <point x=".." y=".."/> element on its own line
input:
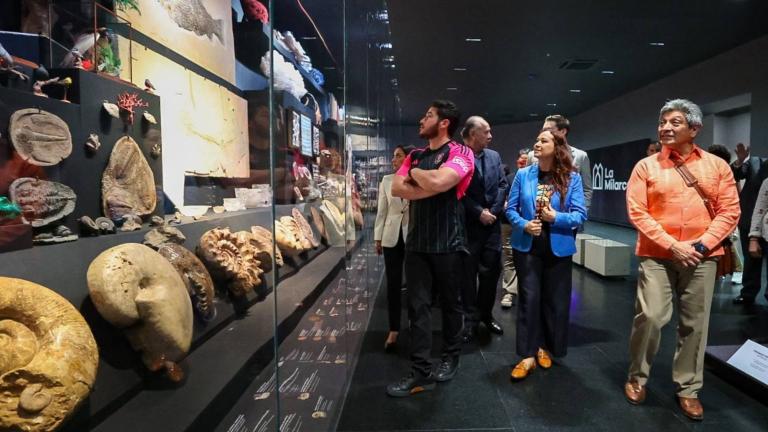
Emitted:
<point x="583" y="391"/>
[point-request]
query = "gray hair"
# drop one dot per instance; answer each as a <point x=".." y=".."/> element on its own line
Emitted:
<point x="524" y="151"/>
<point x="471" y="123"/>
<point x="692" y="111"/>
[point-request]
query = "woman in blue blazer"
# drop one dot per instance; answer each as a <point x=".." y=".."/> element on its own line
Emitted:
<point x="545" y="206"/>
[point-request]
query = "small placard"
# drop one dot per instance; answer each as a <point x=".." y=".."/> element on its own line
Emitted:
<point x="752" y="359"/>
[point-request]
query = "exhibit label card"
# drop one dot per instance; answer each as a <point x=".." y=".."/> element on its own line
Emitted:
<point x="752" y="359"/>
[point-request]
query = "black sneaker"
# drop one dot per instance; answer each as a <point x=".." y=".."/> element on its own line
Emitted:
<point x="447" y="369"/>
<point x="411" y="384"/>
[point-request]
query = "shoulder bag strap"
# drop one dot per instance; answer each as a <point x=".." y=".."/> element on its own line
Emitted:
<point x="691" y="181"/>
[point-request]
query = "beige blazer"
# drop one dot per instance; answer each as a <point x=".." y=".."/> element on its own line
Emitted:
<point x="391" y="216"/>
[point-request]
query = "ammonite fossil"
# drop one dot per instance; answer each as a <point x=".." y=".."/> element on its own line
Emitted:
<point x="196" y="278"/>
<point x="127" y="185"/>
<point x="231" y="259"/>
<point x="48" y="357"/>
<point x="40" y="138"/>
<point x="164" y="234"/>
<point x="42" y="201"/>
<point x="305" y="228"/>
<point x="291" y="223"/>
<point x="106" y="226"/>
<point x="265" y="236"/>
<point x="263" y="250"/>
<point x="317" y="219"/>
<point x="286" y="239"/>
<point x="88" y="226"/>
<point x="135" y="288"/>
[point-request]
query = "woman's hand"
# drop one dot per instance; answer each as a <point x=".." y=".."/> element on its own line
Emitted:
<point x="548" y="214"/>
<point x="533" y="227"/>
<point x="378" y="247"/>
<point x="755" y="251"/>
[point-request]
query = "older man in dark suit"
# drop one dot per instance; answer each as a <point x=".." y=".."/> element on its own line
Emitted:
<point x="753" y="170"/>
<point x="483" y="205"/>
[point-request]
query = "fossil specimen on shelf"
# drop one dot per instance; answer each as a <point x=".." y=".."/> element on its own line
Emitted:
<point x="106" y="226"/>
<point x="265" y="237"/>
<point x="317" y="219"/>
<point x="42" y="201"/>
<point x="40" y="138"/>
<point x="48" y="357"/>
<point x="192" y="15"/>
<point x="136" y="289"/>
<point x="286" y="237"/>
<point x="131" y="222"/>
<point x="164" y="234"/>
<point x="195" y="276"/>
<point x="231" y="259"/>
<point x="306" y="230"/>
<point x="127" y="185"/>
<point x="92" y="143"/>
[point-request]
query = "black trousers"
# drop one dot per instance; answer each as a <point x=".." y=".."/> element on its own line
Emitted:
<point x="752" y="274"/>
<point x="478" y="293"/>
<point x="544" y="300"/>
<point x="393" y="265"/>
<point x="426" y="272"/>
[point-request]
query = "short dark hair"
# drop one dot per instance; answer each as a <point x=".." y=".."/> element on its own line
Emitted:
<point x="407" y="149"/>
<point x="560" y="122"/>
<point x="721" y="152"/>
<point x="447" y="110"/>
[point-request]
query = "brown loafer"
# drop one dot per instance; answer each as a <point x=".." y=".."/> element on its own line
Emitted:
<point x="634" y="392"/>
<point x="691" y="407"/>
<point x="521" y="370"/>
<point x="544" y="360"/>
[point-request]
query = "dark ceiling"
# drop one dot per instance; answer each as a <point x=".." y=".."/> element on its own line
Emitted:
<point x="515" y="72"/>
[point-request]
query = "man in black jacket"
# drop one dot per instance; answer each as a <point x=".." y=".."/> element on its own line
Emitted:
<point x="484" y="205"/>
<point x="753" y="170"/>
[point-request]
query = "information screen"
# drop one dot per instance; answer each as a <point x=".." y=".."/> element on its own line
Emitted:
<point x="306" y="136"/>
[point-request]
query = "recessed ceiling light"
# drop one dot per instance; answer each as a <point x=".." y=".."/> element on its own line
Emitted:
<point x="452" y="88"/>
<point x="607" y="72"/>
<point x="656" y="44"/>
<point x="473" y="40"/>
<point x="460" y="69"/>
<point x="574" y="91"/>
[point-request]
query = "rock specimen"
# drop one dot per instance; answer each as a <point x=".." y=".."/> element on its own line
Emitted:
<point x="136" y="289"/>
<point x="127" y="185"/>
<point x="286" y="238"/>
<point x="88" y="226"/>
<point x="106" y="226"/>
<point x="59" y="234"/>
<point x="48" y="357"/>
<point x="306" y="230"/>
<point x="40" y="138"/>
<point x="42" y="201"/>
<point x="231" y="259"/>
<point x="131" y="222"/>
<point x="164" y="234"/>
<point x="317" y="219"/>
<point x="92" y="143"/>
<point x="196" y="278"/>
<point x="265" y="237"/>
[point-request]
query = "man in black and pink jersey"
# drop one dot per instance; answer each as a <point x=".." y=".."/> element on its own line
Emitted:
<point x="434" y="179"/>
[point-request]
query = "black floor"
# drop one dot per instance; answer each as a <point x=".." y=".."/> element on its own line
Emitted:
<point x="583" y="391"/>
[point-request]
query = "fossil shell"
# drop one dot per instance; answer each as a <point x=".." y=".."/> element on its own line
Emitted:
<point x="42" y="201"/>
<point x="306" y="230"/>
<point x="317" y="219"/>
<point x="88" y="227"/>
<point x="131" y="222"/>
<point x="92" y="143"/>
<point x="291" y="223"/>
<point x="263" y="250"/>
<point x="156" y="221"/>
<point x="127" y="185"/>
<point x="265" y="237"/>
<point x="149" y="118"/>
<point x="106" y="226"/>
<point x="334" y="212"/>
<point x="230" y="258"/>
<point x="164" y="234"/>
<point x="48" y="357"/>
<point x="40" y="138"/>
<point x="111" y="109"/>
<point x="135" y="288"/>
<point x="286" y="239"/>
<point x="196" y="278"/>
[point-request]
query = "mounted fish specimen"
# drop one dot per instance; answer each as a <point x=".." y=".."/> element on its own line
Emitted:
<point x="191" y="15"/>
<point x="127" y="185"/>
<point x="231" y="259"/>
<point x="164" y="234"/>
<point x="265" y="237"/>
<point x="136" y="289"/>
<point x="42" y="201"/>
<point x="196" y="278"/>
<point x="306" y="230"/>
<point x="48" y="357"/>
<point x="92" y="143"/>
<point x="40" y="138"/>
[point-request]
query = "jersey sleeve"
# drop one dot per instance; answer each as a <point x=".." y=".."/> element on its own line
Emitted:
<point x="403" y="170"/>
<point x="461" y="160"/>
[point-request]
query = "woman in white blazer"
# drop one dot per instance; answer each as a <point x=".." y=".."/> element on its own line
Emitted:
<point x="389" y="235"/>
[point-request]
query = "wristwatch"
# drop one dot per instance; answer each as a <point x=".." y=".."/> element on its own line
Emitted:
<point x="700" y="248"/>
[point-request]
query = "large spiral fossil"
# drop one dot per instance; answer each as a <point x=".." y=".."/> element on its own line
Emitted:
<point x="231" y="258"/>
<point x="265" y="237"/>
<point x="196" y="278"/>
<point x="287" y="236"/>
<point x="135" y="288"/>
<point x="48" y="357"/>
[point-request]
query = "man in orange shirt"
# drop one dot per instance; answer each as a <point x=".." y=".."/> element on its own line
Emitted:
<point x="678" y="242"/>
